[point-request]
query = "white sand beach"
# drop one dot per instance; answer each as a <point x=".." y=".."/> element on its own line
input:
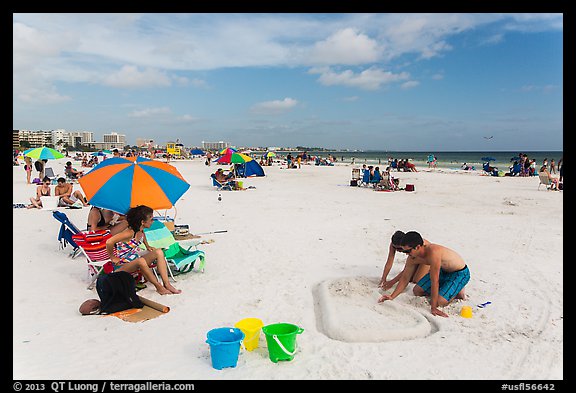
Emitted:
<point x="303" y="247"/>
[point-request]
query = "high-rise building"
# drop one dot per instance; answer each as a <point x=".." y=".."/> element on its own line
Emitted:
<point x="215" y="145"/>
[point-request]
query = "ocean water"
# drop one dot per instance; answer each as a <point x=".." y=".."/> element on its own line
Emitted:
<point x="445" y="159"/>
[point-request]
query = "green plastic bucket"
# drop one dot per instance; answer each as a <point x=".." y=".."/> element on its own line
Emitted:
<point x="281" y="340"/>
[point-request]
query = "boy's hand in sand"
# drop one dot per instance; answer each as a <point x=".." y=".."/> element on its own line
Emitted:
<point x="384" y="297"/>
<point x="385" y="285"/>
<point x="435" y="311"/>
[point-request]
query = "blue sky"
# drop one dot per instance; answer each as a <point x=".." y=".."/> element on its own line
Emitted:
<point x="422" y="82"/>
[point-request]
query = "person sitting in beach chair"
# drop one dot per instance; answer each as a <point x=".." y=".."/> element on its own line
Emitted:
<point x="365" y="177"/>
<point x="376" y="177"/>
<point x="223" y="181"/>
<point x="124" y="250"/>
<point x="387" y="182"/>
<point x="72" y="173"/>
<point x="104" y="219"/>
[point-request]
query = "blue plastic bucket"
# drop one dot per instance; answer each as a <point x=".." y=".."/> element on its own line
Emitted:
<point x="224" y="346"/>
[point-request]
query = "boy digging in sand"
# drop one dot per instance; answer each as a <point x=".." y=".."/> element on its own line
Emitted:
<point x="447" y="277"/>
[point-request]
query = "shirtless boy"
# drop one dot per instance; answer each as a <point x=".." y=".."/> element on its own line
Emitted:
<point x="447" y="277"/>
<point x="394" y="246"/>
<point x="67" y="195"/>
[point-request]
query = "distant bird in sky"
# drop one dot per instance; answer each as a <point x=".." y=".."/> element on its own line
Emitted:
<point x="489" y="137"/>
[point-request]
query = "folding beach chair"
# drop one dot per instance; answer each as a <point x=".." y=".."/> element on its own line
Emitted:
<point x="66" y="232"/>
<point x="179" y="259"/>
<point x="376" y="179"/>
<point x="93" y="245"/>
<point x="49" y="172"/>
<point x="365" y="178"/>
<point x="220" y="186"/>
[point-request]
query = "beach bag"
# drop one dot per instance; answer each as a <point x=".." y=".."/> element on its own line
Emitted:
<point x="36" y="180"/>
<point x="354" y="182"/>
<point x="117" y="292"/>
<point x="409" y="187"/>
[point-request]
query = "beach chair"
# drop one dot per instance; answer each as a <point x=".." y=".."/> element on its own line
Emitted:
<point x="365" y="178"/>
<point x="220" y="186"/>
<point x="66" y="232"/>
<point x="93" y="245"/>
<point x="49" y="172"/>
<point x="387" y="183"/>
<point x="179" y="259"/>
<point x="376" y="179"/>
<point x="544" y="180"/>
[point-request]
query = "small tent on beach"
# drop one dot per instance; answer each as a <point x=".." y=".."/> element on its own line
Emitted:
<point x="249" y="168"/>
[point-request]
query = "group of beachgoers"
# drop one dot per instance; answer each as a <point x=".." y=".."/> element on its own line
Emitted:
<point x="435" y="270"/>
<point x="522" y="166"/>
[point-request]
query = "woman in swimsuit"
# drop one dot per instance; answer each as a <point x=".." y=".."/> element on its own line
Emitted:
<point x="41" y="190"/>
<point x="123" y="249"/>
<point x="99" y="218"/>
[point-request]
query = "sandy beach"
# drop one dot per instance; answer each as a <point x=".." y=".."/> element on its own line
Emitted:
<point x="303" y="247"/>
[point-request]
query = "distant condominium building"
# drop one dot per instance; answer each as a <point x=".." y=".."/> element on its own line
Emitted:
<point x="215" y="145"/>
<point x="60" y="138"/>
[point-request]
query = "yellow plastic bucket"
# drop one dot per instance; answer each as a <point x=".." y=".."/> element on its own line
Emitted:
<point x="251" y="328"/>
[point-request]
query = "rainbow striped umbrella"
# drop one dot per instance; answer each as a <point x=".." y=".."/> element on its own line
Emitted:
<point x="234" y="158"/>
<point x="43" y="153"/>
<point x="120" y="183"/>
<point x="228" y="150"/>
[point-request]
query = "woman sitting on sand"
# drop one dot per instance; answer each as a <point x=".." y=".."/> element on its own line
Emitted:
<point x="124" y="250"/>
<point x="41" y="190"/>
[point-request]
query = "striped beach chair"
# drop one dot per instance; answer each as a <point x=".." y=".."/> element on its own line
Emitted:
<point x="93" y="245"/>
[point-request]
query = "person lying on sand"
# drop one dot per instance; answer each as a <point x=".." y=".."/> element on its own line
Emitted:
<point x="447" y="277"/>
<point x="123" y="250"/>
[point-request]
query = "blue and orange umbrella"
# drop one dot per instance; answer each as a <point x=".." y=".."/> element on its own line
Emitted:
<point x="120" y="183"/>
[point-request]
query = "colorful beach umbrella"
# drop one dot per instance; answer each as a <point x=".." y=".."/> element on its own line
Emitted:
<point x="234" y="158"/>
<point x="270" y="154"/>
<point x="228" y="150"/>
<point x="197" y="152"/>
<point x="43" y="153"/>
<point x="119" y="183"/>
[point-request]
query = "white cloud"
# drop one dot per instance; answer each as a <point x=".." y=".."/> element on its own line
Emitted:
<point x="370" y="79"/>
<point x="150" y="112"/>
<point x="409" y="84"/>
<point x="346" y="46"/>
<point x="274" y="107"/>
<point x="131" y="77"/>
